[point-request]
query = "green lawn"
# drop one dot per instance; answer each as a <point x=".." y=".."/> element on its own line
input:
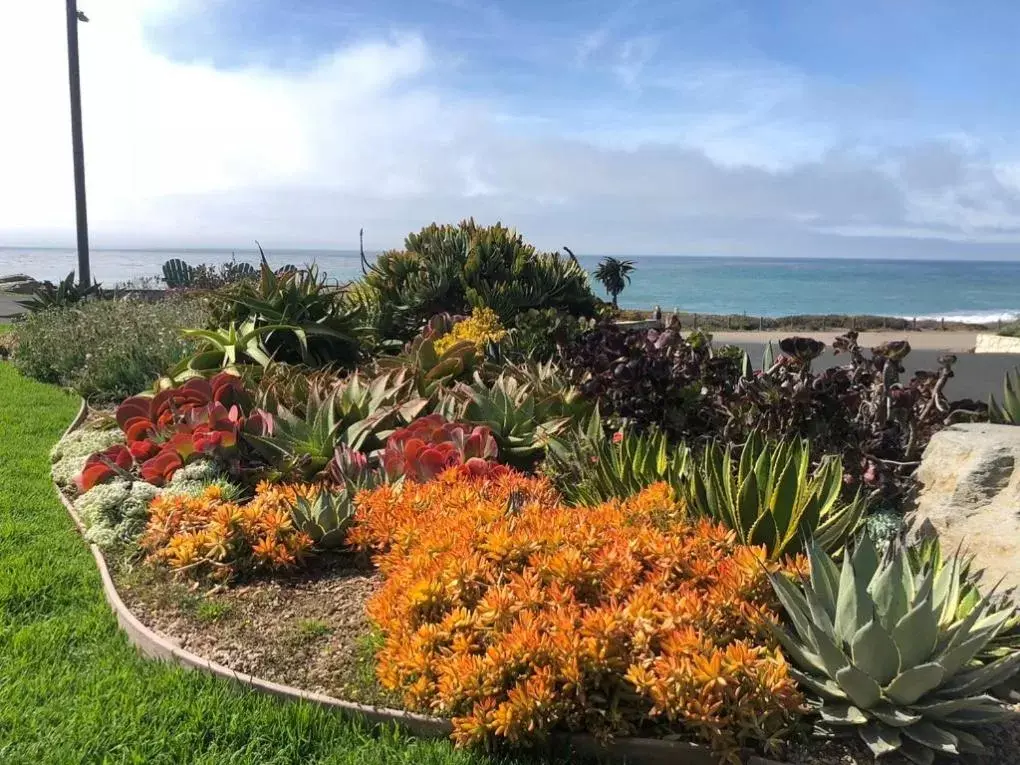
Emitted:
<point x="72" y="690"/>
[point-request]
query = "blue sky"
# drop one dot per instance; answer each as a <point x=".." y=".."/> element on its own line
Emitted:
<point x="751" y="127"/>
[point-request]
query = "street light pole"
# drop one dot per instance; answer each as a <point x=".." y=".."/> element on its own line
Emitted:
<point x="74" y="80"/>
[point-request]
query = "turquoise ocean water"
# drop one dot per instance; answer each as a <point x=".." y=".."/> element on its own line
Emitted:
<point x="971" y="290"/>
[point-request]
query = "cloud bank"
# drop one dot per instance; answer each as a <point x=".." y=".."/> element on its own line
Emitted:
<point x="372" y="134"/>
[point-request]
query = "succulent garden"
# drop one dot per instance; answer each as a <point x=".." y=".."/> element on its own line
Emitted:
<point x="478" y="496"/>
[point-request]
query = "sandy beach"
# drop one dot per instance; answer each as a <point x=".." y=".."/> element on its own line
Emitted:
<point x="954" y="341"/>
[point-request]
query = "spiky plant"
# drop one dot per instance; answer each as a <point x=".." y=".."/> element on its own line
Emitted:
<point x="880" y="646"/>
<point x="1009" y="412"/>
<point x="589" y="466"/>
<point x="771" y="496"/>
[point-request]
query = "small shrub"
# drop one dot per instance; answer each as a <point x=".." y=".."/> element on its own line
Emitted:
<point x="206" y="536"/>
<point x="105" y="350"/>
<point x="516" y="615"/>
<point x="541" y="335"/>
<point x="452" y="269"/>
<point x="115" y="513"/>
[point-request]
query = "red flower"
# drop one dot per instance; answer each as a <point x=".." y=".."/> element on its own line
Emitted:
<point x="617" y="436"/>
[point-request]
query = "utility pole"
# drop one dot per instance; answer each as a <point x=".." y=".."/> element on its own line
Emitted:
<point x="74" y="80"/>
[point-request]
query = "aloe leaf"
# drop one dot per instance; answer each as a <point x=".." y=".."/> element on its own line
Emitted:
<point x="967" y="742"/>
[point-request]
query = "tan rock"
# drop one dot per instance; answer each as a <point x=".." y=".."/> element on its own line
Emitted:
<point x="970" y="494"/>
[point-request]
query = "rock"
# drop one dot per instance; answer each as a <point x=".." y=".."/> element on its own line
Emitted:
<point x="18" y="284"/>
<point x="970" y="494"/>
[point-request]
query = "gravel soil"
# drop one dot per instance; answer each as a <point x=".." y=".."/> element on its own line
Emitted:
<point x="310" y="631"/>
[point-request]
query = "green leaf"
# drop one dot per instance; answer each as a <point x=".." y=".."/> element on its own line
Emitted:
<point x="853" y="603"/>
<point x="862" y="690"/>
<point x="981" y="679"/>
<point x="911" y="685"/>
<point x="894" y="716"/>
<point x="916" y="634"/>
<point x="888" y="593"/>
<point x="824" y="578"/>
<point x="800" y="654"/>
<point x="838" y="713"/>
<point x="917" y="753"/>
<point x="874" y="652"/>
<point x="933" y="737"/>
<point x="881" y="739"/>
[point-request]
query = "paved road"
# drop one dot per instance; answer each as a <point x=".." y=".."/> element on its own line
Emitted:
<point x="976" y="374"/>
<point x="8" y="306"/>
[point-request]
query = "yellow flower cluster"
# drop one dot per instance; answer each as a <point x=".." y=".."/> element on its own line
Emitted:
<point x="481" y="328"/>
<point x="515" y="614"/>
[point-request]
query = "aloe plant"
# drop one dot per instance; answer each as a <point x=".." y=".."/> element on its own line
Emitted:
<point x="771" y="496"/>
<point x="225" y="349"/>
<point x="589" y="468"/>
<point x="880" y="647"/>
<point x="1009" y="412"/>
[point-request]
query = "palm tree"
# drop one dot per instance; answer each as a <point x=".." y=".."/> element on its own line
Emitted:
<point x="614" y="275"/>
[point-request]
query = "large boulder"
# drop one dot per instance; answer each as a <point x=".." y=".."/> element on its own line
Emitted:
<point x="970" y="495"/>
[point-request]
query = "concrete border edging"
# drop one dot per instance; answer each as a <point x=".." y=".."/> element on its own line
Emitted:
<point x="637" y="751"/>
<point x="988" y="343"/>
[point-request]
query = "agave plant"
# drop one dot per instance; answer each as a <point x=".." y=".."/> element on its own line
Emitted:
<point x="1009" y="412"/>
<point x="320" y="328"/>
<point x="327" y="517"/>
<point x="301" y="446"/>
<point x="880" y="646"/>
<point x="589" y="468"/>
<point x="772" y="497"/>
<point x="521" y="420"/>
<point x="928" y="553"/>
<point x="61" y="295"/>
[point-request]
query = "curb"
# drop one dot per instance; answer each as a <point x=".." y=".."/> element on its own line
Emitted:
<point x="637" y="751"/>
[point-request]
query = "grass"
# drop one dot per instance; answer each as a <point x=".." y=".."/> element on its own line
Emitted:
<point x="72" y="690"/>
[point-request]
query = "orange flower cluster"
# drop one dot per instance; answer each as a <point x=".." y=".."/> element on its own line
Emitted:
<point x="206" y="536"/>
<point x="514" y="614"/>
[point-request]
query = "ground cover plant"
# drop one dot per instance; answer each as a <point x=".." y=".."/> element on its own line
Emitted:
<point x="73" y="690"/>
<point x="515" y="615"/>
<point x="105" y="350"/>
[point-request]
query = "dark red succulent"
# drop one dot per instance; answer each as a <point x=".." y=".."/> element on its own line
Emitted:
<point x="431" y="444"/>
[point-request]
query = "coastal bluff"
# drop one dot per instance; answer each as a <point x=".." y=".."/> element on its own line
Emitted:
<point x="970" y="495"/>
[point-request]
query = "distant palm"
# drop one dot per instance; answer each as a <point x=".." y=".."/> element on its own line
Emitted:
<point x="614" y="275"/>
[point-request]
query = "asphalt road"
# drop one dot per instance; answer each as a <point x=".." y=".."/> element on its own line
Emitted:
<point x="8" y="306"/>
<point x="976" y="375"/>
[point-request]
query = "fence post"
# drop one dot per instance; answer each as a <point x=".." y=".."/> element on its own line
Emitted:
<point x="761" y="323"/>
<point x="942" y="323"/>
<point x="915" y="324"/>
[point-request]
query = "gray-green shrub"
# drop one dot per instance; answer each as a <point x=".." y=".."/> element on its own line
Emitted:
<point x="106" y="350"/>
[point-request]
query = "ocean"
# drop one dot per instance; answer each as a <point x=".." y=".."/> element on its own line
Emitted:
<point x="977" y="291"/>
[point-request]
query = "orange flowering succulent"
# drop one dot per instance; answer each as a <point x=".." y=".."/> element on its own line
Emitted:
<point x="514" y="614"/>
<point x="204" y="535"/>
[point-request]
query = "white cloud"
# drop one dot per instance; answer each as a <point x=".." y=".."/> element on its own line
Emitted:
<point x="188" y="153"/>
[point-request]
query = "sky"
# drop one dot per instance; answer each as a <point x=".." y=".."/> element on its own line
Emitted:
<point x="875" y="128"/>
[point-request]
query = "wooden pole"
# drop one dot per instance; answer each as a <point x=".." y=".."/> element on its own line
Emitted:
<point x="78" y="144"/>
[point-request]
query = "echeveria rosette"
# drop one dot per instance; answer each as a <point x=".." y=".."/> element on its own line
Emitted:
<point x="881" y="647"/>
<point x="431" y="444"/>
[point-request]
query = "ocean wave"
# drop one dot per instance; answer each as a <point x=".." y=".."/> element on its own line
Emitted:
<point x="968" y="317"/>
